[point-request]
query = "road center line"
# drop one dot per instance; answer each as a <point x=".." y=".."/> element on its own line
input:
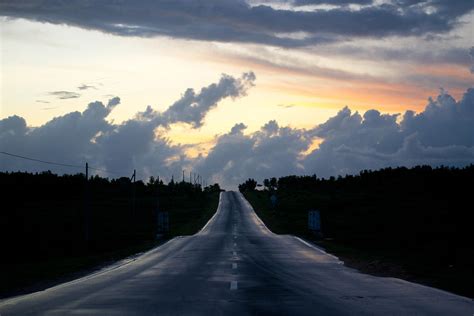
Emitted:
<point x="233" y="285"/>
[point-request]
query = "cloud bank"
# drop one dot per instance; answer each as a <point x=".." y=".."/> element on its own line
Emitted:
<point x="239" y="21"/>
<point x="442" y="134"/>
<point x="87" y="136"/>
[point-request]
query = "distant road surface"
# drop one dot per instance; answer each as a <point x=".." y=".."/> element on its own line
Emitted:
<point x="236" y="266"/>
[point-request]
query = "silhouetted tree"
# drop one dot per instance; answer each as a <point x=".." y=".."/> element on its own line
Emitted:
<point x="248" y="185"/>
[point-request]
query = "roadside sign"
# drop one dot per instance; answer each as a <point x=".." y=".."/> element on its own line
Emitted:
<point x="314" y="220"/>
<point x="273" y="199"/>
<point x="163" y="222"/>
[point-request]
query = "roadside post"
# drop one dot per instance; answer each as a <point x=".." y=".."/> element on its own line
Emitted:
<point x="87" y="210"/>
<point x="314" y="223"/>
<point x="273" y="200"/>
<point x="163" y="224"/>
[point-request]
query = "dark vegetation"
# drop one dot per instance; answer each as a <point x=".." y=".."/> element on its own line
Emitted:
<point x="410" y="223"/>
<point x="53" y="226"/>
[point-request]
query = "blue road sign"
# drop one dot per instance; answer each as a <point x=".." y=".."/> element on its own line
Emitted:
<point x="314" y="220"/>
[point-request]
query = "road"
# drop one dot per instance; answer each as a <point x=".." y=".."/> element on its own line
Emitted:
<point x="236" y="266"/>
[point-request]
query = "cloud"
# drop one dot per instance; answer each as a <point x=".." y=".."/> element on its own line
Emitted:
<point x="271" y="151"/>
<point x="65" y="94"/>
<point x="442" y="134"/>
<point x="237" y="21"/>
<point x="192" y="107"/>
<point x="86" y="87"/>
<point x="425" y="55"/>
<point x="332" y="2"/>
<point x="471" y="54"/>
<point x="88" y="136"/>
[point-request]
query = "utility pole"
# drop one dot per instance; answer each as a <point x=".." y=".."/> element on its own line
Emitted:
<point x="190" y="175"/>
<point x="157" y="206"/>
<point x="183" y="176"/>
<point x="134" y="193"/>
<point x="87" y="208"/>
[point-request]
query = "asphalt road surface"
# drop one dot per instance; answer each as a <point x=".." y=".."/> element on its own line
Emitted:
<point x="236" y="266"/>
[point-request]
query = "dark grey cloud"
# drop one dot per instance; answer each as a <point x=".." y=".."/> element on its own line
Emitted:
<point x="237" y="21"/>
<point x="445" y="54"/>
<point x="471" y="54"/>
<point x="88" y="135"/>
<point x="63" y="95"/>
<point x="332" y="2"/>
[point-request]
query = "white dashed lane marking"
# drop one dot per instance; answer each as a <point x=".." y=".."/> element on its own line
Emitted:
<point x="234" y="266"/>
<point x="233" y="285"/>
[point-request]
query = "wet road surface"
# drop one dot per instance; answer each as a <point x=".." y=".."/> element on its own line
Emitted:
<point x="236" y="266"/>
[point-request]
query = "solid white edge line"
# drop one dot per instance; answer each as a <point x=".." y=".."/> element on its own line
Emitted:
<point x="392" y="278"/>
<point x="301" y="240"/>
<point x="215" y="214"/>
<point x="107" y="269"/>
<point x="318" y="249"/>
<point x="255" y="213"/>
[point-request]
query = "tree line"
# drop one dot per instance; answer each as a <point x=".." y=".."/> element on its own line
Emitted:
<point x="45" y="215"/>
<point x="420" y="216"/>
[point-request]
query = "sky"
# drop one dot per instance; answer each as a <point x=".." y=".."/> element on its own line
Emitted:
<point x="236" y="89"/>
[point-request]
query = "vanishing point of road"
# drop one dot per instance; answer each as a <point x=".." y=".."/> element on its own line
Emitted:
<point x="236" y="266"/>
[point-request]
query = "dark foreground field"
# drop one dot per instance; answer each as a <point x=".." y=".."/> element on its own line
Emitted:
<point x="415" y="224"/>
<point x="55" y="228"/>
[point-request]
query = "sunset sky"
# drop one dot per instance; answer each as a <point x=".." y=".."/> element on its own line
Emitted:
<point x="310" y="59"/>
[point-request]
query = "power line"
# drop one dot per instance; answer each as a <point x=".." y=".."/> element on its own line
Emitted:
<point x="60" y="164"/>
<point x="42" y="161"/>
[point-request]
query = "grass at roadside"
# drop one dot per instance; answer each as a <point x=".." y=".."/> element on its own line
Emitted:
<point x="186" y="222"/>
<point x="395" y="260"/>
<point x="20" y="277"/>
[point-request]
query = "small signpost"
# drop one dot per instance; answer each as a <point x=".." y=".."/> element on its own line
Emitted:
<point x="163" y="222"/>
<point x="273" y="199"/>
<point x="314" y="222"/>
